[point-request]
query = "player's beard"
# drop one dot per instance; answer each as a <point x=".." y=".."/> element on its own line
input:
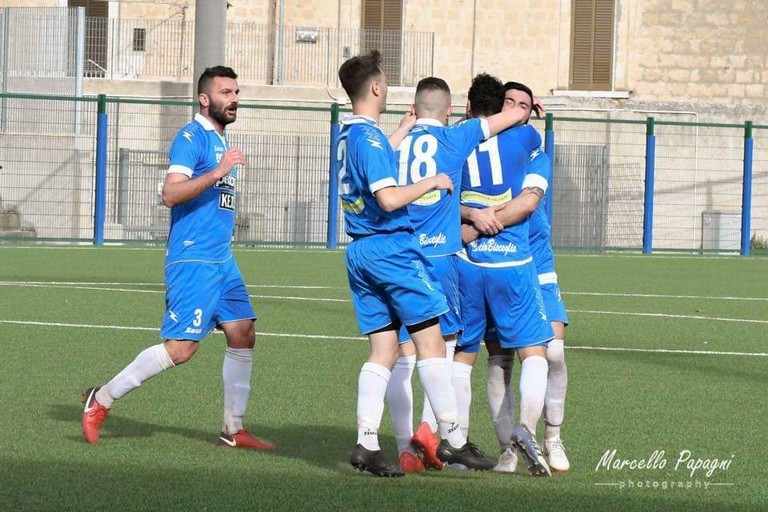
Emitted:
<point x="223" y="114"/>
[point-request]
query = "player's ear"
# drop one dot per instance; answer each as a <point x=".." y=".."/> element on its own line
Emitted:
<point x="469" y="108"/>
<point x="204" y="99"/>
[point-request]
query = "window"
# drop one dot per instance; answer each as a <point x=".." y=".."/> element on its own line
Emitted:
<point x="96" y="35"/>
<point x="382" y="30"/>
<point x="592" y="45"/>
<point x="139" y="39"/>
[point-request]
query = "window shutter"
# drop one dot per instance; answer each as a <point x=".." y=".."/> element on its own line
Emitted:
<point x="96" y="35"/>
<point x="93" y="9"/>
<point x="592" y="44"/>
<point x="373" y="14"/>
<point x="602" y="65"/>
<point x="392" y="15"/>
<point x="382" y="30"/>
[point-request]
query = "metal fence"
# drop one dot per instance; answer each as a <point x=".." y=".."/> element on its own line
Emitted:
<point x="38" y="51"/>
<point x="600" y="202"/>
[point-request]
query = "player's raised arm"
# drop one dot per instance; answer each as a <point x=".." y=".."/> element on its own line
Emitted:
<point x="406" y="123"/>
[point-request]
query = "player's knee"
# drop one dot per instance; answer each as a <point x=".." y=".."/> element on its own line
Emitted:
<point x="180" y="351"/>
<point x="556" y="354"/>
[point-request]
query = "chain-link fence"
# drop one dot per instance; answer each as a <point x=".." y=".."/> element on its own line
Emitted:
<point x="47" y="181"/>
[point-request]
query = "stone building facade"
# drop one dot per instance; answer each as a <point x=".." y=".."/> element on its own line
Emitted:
<point x="691" y="55"/>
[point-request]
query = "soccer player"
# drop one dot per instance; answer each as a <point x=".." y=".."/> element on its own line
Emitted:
<point x="497" y="278"/>
<point x="390" y="279"/>
<point x="204" y="286"/>
<point x="431" y="147"/>
<point x="500" y="361"/>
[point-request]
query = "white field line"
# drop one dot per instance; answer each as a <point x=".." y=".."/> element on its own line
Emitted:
<point x="667" y="315"/>
<point x="39" y="284"/>
<point x="359" y="338"/>
<point x="88" y="246"/>
<point x="82" y="284"/>
<point x="76" y="284"/>
<point x="134" y="290"/>
<point x="664" y="296"/>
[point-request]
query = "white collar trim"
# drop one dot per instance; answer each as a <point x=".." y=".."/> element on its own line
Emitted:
<point x="200" y="118"/>
<point x="428" y="121"/>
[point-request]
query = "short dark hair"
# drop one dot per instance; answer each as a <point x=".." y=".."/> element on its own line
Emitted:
<point x="356" y="72"/>
<point x="486" y="95"/>
<point x="432" y="83"/>
<point x="206" y="79"/>
<point x="517" y="86"/>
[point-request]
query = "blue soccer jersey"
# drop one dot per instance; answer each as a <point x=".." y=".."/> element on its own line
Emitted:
<point x="540" y="229"/>
<point x="202" y="228"/>
<point x="428" y="149"/>
<point x="493" y="174"/>
<point x="366" y="165"/>
<point x="541" y="246"/>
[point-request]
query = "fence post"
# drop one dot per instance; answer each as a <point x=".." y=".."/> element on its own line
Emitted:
<point x="79" y="65"/>
<point x="5" y="57"/>
<point x="333" y="182"/>
<point x="650" y="164"/>
<point x="549" y="149"/>
<point x="746" y="191"/>
<point x="100" y="194"/>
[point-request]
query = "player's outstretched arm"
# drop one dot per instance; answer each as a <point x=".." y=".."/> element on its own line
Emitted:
<point x="505" y="119"/>
<point x="179" y="188"/>
<point x="392" y="198"/>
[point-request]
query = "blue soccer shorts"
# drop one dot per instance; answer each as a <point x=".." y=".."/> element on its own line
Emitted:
<point x="446" y="270"/>
<point x="391" y="279"/>
<point x="553" y="302"/>
<point x="508" y="298"/>
<point x="199" y="296"/>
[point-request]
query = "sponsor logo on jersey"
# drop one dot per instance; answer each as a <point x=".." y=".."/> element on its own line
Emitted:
<point x="491" y="245"/>
<point x="426" y="240"/>
<point x="353" y="207"/>
<point x="429" y="198"/>
<point x="227" y="201"/>
<point x="469" y="196"/>
<point x="192" y="330"/>
<point x="226" y="183"/>
<point x="187" y="135"/>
